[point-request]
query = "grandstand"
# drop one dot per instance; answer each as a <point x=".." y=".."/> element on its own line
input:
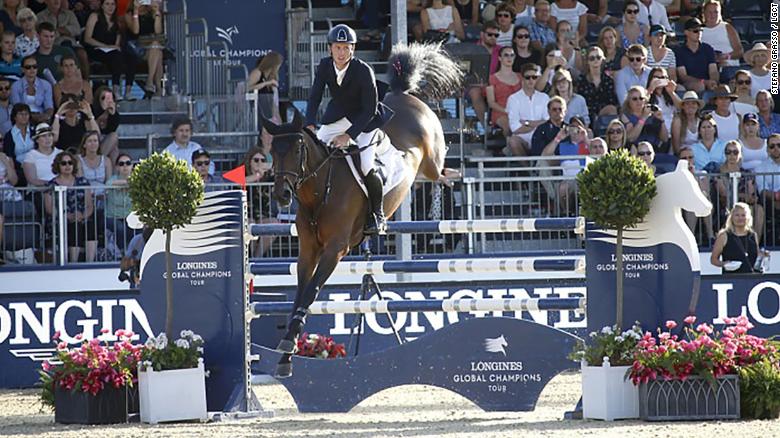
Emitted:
<point x="203" y="83"/>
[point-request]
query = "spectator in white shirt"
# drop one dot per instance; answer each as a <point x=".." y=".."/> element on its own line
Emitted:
<point x="526" y="109"/>
<point x="651" y="12"/>
<point x="182" y="145"/>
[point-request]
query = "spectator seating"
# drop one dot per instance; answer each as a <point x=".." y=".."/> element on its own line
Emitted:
<point x="21" y="229"/>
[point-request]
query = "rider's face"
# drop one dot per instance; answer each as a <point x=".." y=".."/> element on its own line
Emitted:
<point x="342" y="52"/>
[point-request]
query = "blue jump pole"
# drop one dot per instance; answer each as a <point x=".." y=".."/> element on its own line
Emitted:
<point x="576" y="224"/>
<point x="459" y="305"/>
<point x="510" y="264"/>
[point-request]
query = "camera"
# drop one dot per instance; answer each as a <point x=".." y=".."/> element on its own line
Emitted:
<point x="654" y="107"/>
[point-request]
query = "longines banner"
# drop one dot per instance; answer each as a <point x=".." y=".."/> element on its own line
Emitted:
<point x="249" y="28"/>
<point x="28" y="321"/>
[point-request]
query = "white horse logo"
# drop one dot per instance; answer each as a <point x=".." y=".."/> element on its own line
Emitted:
<point x="496" y="345"/>
<point x="227" y="34"/>
<point x="664" y="223"/>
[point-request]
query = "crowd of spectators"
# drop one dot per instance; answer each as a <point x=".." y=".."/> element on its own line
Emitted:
<point x="664" y="79"/>
<point x="58" y="120"/>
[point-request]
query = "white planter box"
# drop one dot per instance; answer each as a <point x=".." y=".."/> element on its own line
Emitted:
<point x="606" y="395"/>
<point x="172" y="395"/>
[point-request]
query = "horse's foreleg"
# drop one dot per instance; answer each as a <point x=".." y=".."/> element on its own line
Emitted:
<point x="309" y="252"/>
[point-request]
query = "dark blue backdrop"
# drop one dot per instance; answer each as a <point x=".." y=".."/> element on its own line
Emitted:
<point x="249" y="27"/>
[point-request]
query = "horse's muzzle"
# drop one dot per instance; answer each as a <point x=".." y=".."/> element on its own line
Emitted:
<point x="282" y="193"/>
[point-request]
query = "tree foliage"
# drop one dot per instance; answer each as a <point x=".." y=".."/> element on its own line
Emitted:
<point x="165" y="192"/>
<point x="616" y="190"/>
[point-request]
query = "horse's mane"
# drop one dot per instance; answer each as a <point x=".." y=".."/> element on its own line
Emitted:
<point x="424" y="70"/>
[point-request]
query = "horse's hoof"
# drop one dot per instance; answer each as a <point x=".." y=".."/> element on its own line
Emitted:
<point x="286" y="346"/>
<point x="283" y="370"/>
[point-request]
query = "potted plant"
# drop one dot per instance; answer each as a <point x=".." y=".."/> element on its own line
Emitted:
<point x="606" y="360"/>
<point x="319" y="346"/>
<point x="759" y="387"/>
<point x="615" y="192"/>
<point x="171" y="379"/>
<point x="694" y="376"/>
<point x="165" y="194"/>
<point x="89" y="384"/>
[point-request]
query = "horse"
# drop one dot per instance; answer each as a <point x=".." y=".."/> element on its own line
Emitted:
<point x="332" y="209"/>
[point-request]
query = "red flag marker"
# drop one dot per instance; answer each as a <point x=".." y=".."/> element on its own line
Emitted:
<point x="237" y="175"/>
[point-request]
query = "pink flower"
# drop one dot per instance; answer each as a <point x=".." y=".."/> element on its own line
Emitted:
<point x="690" y="319"/>
<point x="671" y="324"/>
<point x="119" y="333"/>
<point x="62" y="346"/>
<point x="704" y="328"/>
<point x="56" y="335"/>
<point x="46" y="366"/>
<point x="104" y="330"/>
<point x="79" y="336"/>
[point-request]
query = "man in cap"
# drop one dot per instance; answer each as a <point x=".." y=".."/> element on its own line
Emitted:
<point x="354" y="113"/>
<point x="697" y="68"/>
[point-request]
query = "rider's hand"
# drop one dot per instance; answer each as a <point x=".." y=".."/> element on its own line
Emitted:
<point x="341" y="141"/>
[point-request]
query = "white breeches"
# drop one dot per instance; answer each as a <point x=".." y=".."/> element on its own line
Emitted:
<point x="367" y="155"/>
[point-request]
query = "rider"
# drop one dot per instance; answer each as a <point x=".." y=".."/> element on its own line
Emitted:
<point x="354" y="113"/>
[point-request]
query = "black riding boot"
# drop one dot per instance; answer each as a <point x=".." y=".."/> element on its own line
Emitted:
<point x="376" y="218"/>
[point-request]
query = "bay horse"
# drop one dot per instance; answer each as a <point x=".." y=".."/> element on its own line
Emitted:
<point x="332" y="208"/>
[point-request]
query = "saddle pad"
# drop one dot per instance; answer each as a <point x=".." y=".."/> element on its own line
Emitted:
<point x="388" y="162"/>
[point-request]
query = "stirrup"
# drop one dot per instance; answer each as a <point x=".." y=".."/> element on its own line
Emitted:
<point x="376" y="224"/>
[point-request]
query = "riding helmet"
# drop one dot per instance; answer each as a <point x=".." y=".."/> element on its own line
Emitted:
<point x="341" y="33"/>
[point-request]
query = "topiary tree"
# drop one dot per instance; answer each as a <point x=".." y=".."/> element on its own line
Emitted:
<point x="615" y="193"/>
<point x="165" y="194"/>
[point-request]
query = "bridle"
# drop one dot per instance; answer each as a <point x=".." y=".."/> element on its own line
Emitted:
<point x="300" y="176"/>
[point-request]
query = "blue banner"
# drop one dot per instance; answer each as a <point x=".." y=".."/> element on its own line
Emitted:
<point x="249" y="28"/>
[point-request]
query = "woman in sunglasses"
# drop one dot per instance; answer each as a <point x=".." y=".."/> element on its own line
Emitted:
<point x="644" y="122"/>
<point x="118" y="204"/>
<point x="258" y="169"/>
<point x="646" y="153"/>
<point x="745" y="102"/>
<point x="631" y="30"/>
<point x="524" y="53"/>
<point x="746" y="189"/>
<point x="753" y="146"/>
<point x="502" y="84"/>
<point x="79" y="207"/>
<point x="661" y="90"/>
<point x="596" y="87"/>
<point x="615" y="136"/>
<point x="659" y="55"/>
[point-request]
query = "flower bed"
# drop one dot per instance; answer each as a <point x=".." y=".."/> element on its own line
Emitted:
<point x="91" y="368"/>
<point x="693" y="374"/>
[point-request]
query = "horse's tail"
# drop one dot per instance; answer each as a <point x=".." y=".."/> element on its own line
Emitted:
<point x="425" y="70"/>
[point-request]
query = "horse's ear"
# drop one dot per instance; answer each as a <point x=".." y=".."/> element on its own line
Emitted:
<point x="297" y="122"/>
<point x="269" y="126"/>
<point x="682" y="166"/>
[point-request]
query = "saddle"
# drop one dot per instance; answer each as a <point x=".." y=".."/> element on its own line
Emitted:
<point x="388" y="163"/>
